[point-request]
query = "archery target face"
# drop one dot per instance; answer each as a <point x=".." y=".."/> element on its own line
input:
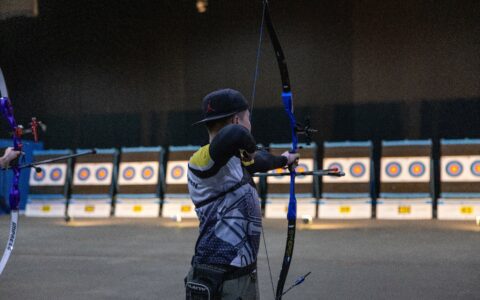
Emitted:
<point x="475" y="168"/>
<point x="357" y="169"/>
<point x="305" y="165"/>
<point x="51" y="175"/>
<point x="93" y="174"/>
<point x="138" y="173"/>
<point x="460" y="168"/>
<point x="177" y="172"/>
<point x="405" y="169"/>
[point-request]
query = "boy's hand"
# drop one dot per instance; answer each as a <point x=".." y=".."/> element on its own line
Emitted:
<point x="292" y="159"/>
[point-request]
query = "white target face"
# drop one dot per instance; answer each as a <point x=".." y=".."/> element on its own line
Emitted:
<point x="138" y="173"/>
<point x="460" y="168"/>
<point x="305" y="165"/>
<point x="405" y="169"/>
<point x="93" y="174"/>
<point x="51" y="175"/>
<point x="356" y="169"/>
<point x="177" y="172"/>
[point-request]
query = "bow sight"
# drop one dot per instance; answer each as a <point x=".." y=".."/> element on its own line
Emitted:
<point x="305" y="130"/>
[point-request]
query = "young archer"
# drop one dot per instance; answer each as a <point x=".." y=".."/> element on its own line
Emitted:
<point x="226" y="201"/>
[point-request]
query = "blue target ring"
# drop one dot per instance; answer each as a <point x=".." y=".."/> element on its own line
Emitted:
<point x="83" y="174"/>
<point x="177" y="172"/>
<point x="56" y="174"/>
<point x="40" y="175"/>
<point x="475" y="168"/>
<point x="357" y="169"/>
<point x="416" y="169"/>
<point x="393" y="169"/>
<point x="128" y="173"/>
<point x="147" y="173"/>
<point x="454" y="168"/>
<point x="101" y="173"/>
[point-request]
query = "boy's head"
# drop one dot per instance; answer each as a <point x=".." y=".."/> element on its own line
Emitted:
<point x="223" y="107"/>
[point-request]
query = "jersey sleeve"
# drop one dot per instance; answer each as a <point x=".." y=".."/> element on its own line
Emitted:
<point x="228" y="141"/>
<point x="209" y="159"/>
<point x="265" y="161"/>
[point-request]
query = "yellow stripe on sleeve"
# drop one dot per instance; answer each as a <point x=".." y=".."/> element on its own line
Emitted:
<point x="201" y="159"/>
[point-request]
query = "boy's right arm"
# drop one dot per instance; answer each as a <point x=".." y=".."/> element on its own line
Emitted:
<point x="229" y="141"/>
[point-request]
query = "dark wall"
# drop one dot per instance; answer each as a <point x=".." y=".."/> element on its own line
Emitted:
<point x="416" y="50"/>
<point x="129" y="73"/>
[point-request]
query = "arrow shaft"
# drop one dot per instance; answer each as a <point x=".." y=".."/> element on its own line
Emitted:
<point x="309" y="173"/>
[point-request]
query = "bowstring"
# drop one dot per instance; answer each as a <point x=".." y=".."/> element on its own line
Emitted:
<point x="268" y="261"/>
<point x="257" y="61"/>
<point x="254" y="89"/>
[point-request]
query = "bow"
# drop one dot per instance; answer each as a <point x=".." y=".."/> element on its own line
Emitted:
<point x="287" y="101"/>
<point x="296" y="128"/>
<point x="14" y="196"/>
<point x="288" y="105"/>
<point x="17" y="132"/>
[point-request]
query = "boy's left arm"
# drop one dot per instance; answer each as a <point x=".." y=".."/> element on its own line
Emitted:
<point x="264" y="161"/>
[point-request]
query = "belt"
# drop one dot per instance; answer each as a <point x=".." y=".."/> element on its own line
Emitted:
<point x="240" y="272"/>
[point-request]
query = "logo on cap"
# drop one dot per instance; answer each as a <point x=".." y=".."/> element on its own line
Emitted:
<point x="209" y="108"/>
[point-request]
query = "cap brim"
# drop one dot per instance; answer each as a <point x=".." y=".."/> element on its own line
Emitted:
<point x="214" y="118"/>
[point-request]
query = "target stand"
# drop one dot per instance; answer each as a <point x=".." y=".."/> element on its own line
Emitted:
<point x="459" y="180"/>
<point x="92" y="185"/>
<point x="406" y="181"/>
<point x="176" y="202"/>
<point x="347" y="197"/>
<point x="138" y="184"/>
<point x="48" y="188"/>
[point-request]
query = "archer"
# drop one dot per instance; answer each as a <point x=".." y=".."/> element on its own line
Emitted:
<point x="226" y="201"/>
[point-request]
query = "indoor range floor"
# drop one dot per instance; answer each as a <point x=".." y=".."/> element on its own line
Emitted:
<point x="148" y="259"/>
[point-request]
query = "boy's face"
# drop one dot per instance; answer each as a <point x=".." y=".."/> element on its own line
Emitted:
<point x="243" y="118"/>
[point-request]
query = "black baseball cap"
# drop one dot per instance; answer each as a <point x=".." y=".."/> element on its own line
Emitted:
<point x="221" y="104"/>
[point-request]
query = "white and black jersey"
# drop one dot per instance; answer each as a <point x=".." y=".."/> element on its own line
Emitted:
<point x="225" y="197"/>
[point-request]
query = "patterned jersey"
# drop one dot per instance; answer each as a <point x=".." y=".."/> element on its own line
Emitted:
<point x="226" y="200"/>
